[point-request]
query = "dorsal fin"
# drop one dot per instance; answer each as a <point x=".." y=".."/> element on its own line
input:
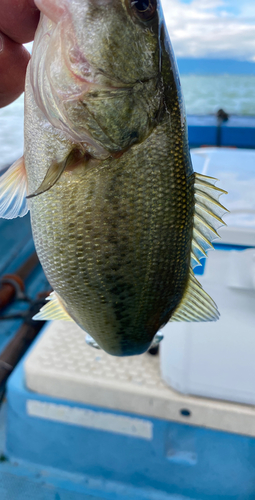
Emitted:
<point x="13" y="190"/>
<point x="52" y="310"/>
<point x="196" y="304"/>
<point x="207" y="216"/>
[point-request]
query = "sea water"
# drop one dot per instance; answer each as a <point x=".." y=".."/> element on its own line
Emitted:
<point x="203" y="94"/>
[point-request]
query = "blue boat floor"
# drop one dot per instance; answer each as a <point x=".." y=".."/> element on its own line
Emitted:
<point x="26" y="481"/>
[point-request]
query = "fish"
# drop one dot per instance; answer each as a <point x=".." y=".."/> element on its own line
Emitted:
<point x="119" y="218"/>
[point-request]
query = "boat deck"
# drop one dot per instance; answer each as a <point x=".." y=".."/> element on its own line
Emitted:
<point x="62" y="365"/>
<point x="126" y="436"/>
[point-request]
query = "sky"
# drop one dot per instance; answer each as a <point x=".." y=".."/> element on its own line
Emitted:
<point x="212" y="28"/>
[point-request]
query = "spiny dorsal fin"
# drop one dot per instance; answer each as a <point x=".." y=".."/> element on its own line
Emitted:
<point x="207" y="216"/>
<point x="52" y="310"/>
<point x="196" y="304"/>
<point x="13" y="190"/>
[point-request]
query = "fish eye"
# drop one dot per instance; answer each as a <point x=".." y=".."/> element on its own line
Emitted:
<point x="144" y="9"/>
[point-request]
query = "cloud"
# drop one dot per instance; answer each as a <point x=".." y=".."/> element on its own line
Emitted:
<point x="213" y="29"/>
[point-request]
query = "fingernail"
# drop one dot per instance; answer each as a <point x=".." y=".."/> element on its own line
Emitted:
<point x="1" y="43"/>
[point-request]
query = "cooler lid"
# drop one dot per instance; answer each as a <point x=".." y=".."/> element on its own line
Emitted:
<point x="235" y="169"/>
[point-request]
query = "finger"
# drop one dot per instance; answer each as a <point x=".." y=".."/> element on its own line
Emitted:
<point x="19" y="19"/>
<point x="13" y="63"/>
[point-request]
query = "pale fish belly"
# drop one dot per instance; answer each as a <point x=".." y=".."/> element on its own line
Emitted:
<point x="114" y="241"/>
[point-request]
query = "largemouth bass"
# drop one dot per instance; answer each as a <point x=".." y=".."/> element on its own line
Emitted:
<point x="118" y="216"/>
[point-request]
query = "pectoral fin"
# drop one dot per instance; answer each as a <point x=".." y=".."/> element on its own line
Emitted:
<point x="53" y="310"/>
<point x="55" y="171"/>
<point x="13" y="190"/>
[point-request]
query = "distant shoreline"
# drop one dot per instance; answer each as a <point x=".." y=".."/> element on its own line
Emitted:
<point x="203" y="66"/>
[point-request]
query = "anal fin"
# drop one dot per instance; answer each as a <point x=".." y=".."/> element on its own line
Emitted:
<point x="53" y="310"/>
<point x="13" y="190"/>
<point x="196" y="304"/>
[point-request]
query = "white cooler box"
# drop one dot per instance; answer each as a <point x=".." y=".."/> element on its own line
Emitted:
<point x="217" y="359"/>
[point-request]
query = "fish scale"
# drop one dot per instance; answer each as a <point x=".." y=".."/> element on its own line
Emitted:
<point x="126" y="250"/>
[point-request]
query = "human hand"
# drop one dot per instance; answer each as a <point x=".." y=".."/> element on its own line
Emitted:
<point x="18" y="22"/>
